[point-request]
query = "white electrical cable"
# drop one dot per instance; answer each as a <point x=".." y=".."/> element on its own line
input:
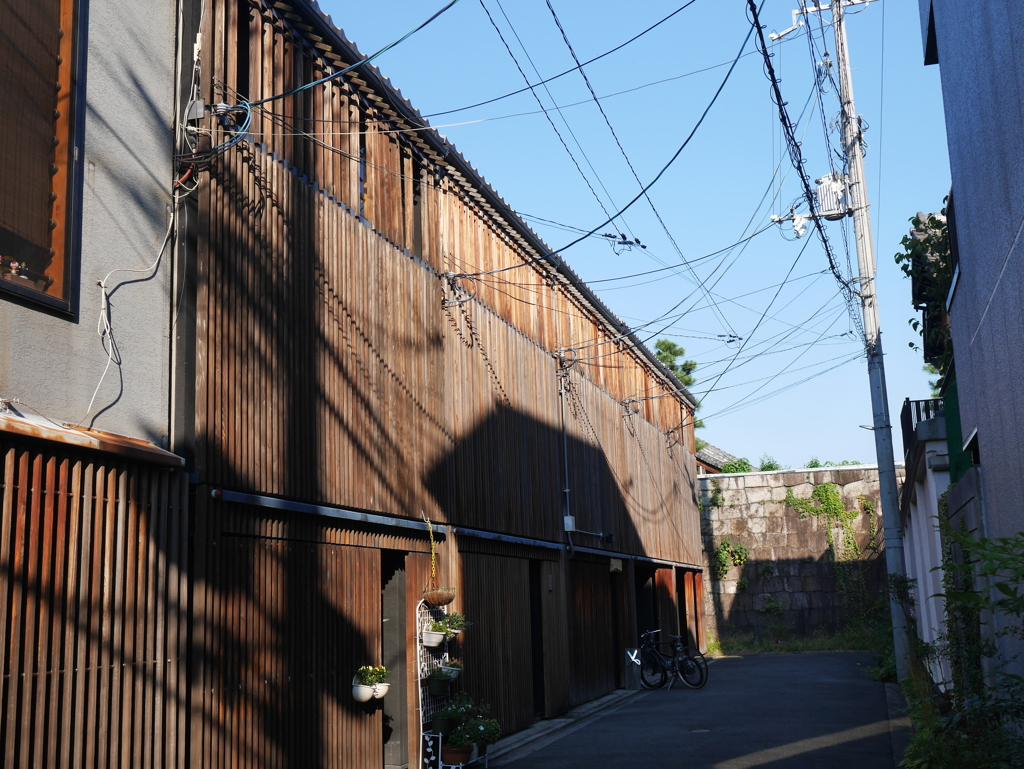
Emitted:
<point x="104" y="329"/>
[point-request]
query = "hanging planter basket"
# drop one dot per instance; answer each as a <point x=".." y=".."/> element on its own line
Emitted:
<point x="439" y="596"/>
<point x="432" y="594"/>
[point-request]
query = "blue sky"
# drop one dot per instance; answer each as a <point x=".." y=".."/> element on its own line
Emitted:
<point x="653" y="93"/>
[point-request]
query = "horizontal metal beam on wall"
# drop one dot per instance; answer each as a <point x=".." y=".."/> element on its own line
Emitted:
<point x="464" y="532"/>
<point x="494" y="536"/>
<point x="293" y="506"/>
<point x="641" y="558"/>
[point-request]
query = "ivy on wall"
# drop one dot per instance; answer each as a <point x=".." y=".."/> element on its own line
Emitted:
<point x="846" y="555"/>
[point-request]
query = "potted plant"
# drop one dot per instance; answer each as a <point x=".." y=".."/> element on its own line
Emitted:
<point x="455" y="623"/>
<point x="370" y="682"/>
<point x="434" y="634"/>
<point x="450" y="716"/>
<point x="459" y="746"/>
<point x="485" y="731"/>
<point x="452" y="668"/>
<point x="439" y="683"/>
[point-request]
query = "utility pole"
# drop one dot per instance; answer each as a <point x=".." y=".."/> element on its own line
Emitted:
<point x="857" y="192"/>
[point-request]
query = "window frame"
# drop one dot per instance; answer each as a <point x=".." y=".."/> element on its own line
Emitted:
<point x="66" y="305"/>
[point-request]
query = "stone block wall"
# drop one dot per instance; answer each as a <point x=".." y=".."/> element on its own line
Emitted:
<point x="789" y="564"/>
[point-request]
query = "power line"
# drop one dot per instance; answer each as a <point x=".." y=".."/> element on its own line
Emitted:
<point x="530" y="87"/>
<point x="545" y="110"/>
<point x="675" y="156"/>
<point x="796" y="157"/>
<point x="721" y="317"/>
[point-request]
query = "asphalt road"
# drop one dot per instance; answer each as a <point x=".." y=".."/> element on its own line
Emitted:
<point x="778" y="711"/>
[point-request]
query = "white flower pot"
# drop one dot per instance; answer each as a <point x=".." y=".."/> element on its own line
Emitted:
<point x="379" y="690"/>
<point x="432" y="638"/>
<point x="362" y="693"/>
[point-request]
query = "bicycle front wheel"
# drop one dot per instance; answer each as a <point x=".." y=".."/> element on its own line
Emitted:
<point x="652" y="672"/>
<point x="699" y="658"/>
<point x="690" y="671"/>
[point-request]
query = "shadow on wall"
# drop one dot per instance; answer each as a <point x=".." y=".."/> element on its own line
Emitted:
<point x="548" y="632"/>
<point x="797" y="596"/>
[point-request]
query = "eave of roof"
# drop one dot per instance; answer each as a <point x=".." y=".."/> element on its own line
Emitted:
<point x="449" y="155"/>
<point x="96" y="440"/>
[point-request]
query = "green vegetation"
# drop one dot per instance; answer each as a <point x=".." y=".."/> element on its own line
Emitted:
<point x="668" y="352"/>
<point x="977" y="721"/>
<point x="770" y="606"/>
<point x="741" y="465"/>
<point x="814" y="463"/>
<point x="368" y="675"/>
<point x="927" y="261"/>
<point x="845" y="553"/>
<point x="768" y="463"/>
<point x="728" y="554"/>
<point x="778" y="637"/>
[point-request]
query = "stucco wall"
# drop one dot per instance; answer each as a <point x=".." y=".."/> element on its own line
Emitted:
<point x="54" y="363"/>
<point x="753" y="513"/>
<point x="981" y="63"/>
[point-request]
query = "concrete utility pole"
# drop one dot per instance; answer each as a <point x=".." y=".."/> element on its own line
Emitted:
<point x="858" y="205"/>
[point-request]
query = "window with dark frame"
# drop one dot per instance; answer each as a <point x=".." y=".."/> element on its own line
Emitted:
<point x="36" y="103"/>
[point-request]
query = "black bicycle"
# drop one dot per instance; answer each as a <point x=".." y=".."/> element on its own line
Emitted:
<point x="686" y="663"/>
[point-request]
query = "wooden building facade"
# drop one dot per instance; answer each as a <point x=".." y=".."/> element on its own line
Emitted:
<point x="342" y="391"/>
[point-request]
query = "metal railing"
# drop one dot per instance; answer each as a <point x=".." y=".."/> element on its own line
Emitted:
<point x="914" y="412"/>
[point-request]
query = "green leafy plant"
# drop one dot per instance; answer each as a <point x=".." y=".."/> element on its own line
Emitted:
<point x="768" y="463"/>
<point x="368" y="675"/>
<point x="461" y="736"/>
<point x="716" y="499"/>
<point x="742" y="583"/>
<point x="766" y="571"/>
<point x="927" y="260"/>
<point x="485" y="731"/>
<point x="844" y="552"/>
<point x="976" y="721"/>
<point x="728" y="554"/>
<point x="723" y="558"/>
<point x="440" y="675"/>
<point x="739" y="554"/>
<point x="741" y="465"/>
<point x="455" y="622"/>
<point x="462" y="708"/>
<point x="770" y="606"/>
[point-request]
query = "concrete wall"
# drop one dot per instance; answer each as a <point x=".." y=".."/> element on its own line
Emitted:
<point x="981" y="62"/>
<point x="922" y="545"/>
<point x="51" y="362"/>
<point x="753" y="513"/>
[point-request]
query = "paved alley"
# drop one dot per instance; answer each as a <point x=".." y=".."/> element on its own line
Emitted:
<point x="768" y="710"/>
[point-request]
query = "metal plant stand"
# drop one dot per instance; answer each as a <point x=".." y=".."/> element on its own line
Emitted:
<point x="429" y="659"/>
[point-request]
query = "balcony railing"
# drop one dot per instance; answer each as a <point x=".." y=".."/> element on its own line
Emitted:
<point x="914" y="412"/>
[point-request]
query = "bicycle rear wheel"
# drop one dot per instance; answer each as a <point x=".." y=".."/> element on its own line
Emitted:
<point x="652" y="672"/>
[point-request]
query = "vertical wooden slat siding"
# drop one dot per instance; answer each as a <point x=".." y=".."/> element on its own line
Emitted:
<point x="497" y="596"/>
<point x="85" y="665"/>
<point x="302" y="299"/>
<point x="337" y="364"/>
<point x="592" y="631"/>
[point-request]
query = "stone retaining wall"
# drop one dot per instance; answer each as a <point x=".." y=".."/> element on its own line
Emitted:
<point x="789" y="564"/>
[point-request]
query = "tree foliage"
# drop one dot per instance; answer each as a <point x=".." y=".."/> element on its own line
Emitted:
<point x="669" y="353"/>
<point x="926" y="259"/>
